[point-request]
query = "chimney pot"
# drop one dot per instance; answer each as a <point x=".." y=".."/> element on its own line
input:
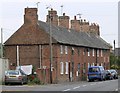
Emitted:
<point x="75" y="17"/>
<point x="51" y="9"/>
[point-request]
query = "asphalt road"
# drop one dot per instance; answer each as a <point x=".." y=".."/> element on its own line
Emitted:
<point x="108" y="85"/>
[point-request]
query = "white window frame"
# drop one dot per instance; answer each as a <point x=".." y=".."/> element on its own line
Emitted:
<point x="83" y="51"/>
<point x="66" y="69"/>
<point x="88" y="52"/>
<point x="88" y="65"/>
<point x="93" y="53"/>
<point x="98" y="53"/>
<point x="66" y="50"/>
<point x="61" y="68"/>
<point x="61" y="49"/>
<point x="108" y="59"/>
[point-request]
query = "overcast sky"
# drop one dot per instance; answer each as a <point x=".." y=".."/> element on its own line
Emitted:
<point x="102" y="12"/>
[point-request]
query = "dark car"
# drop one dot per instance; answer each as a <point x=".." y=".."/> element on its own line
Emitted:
<point x="114" y="73"/>
<point x="96" y="72"/>
<point x="15" y="76"/>
<point x="109" y="75"/>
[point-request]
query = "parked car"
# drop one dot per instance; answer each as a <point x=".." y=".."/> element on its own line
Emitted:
<point x="96" y="72"/>
<point x="15" y="76"/>
<point x="109" y="75"/>
<point x="114" y="73"/>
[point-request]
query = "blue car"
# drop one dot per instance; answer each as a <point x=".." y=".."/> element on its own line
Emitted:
<point x="96" y="73"/>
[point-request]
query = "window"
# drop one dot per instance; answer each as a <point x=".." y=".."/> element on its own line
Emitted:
<point x="108" y="59"/>
<point x="78" y="52"/>
<point x="88" y="50"/>
<point x="79" y="67"/>
<point x="101" y="53"/>
<point x="72" y="51"/>
<point x="84" y="52"/>
<point x="97" y="53"/>
<point x="62" y="68"/>
<point x="88" y="65"/>
<point x="66" y="68"/>
<point x="93" y="64"/>
<point x="66" y="50"/>
<point x="61" y="49"/>
<point x="93" y="52"/>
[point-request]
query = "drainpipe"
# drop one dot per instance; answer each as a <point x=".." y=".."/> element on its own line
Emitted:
<point x="18" y="60"/>
<point x="40" y="55"/>
<point x="96" y="57"/>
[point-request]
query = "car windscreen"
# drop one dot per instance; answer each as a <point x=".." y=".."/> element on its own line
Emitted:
<point x="93" y="69"/>
<point x="13" y="72"/>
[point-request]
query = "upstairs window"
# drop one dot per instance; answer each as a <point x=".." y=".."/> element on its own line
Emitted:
<point x="66" y="50"/>
<point x="84" y="52"/>
<point x="98" y="53"/>
<point x="93" y="52"/>
<point x="88" y="50"/>
<point x="61" y="49"/>
<point x="78" y="52"/>
<point x="72" y="51"/>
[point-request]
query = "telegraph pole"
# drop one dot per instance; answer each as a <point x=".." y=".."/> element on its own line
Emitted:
<point x="1" y="43"/>
<point x="51" y="56"/>
<point x="50" y="43"/>
<point x="114" y="54"/>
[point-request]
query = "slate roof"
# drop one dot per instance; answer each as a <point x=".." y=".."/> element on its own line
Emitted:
<point x="72" y="37"/>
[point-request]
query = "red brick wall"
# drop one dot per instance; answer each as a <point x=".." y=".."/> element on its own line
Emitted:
<point x="30" y="55"/>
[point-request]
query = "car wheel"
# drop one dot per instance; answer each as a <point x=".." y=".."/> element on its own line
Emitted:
<point x="101" y="79"/>
<point x="22" y="82"/>
<point x="6" y="83"/>
<point x="89" y="80"/>
<point x="114" y="77"/>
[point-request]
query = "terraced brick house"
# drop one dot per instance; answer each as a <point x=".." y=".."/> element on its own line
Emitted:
<point x="74" y="48"/>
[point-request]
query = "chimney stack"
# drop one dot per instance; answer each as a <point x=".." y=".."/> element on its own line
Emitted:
<point x="54" y="17"/>
<point x="30" y="16"/>
<point x="84" y="25"/>
<point x="94" y="28"/>
<point x="64" y="21"/>
<point x="75" y="24"/>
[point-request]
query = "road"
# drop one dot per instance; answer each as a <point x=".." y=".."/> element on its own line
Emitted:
<point x="108" y="85"/>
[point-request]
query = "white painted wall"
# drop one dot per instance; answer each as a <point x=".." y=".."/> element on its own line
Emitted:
<point x="3" y="67"/>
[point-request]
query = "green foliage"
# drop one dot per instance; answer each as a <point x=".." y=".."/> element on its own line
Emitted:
<point x="114" y="62"/>
<point x="34" y="81"/>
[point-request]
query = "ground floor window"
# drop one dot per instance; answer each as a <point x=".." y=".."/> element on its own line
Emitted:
<point x="66" y="68"/>
<point x="61" y="68"/>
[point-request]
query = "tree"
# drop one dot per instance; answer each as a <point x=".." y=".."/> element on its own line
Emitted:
<point x="114" y="62"/>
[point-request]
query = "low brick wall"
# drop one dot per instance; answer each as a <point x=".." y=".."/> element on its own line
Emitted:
<point x="43" y="75"/>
